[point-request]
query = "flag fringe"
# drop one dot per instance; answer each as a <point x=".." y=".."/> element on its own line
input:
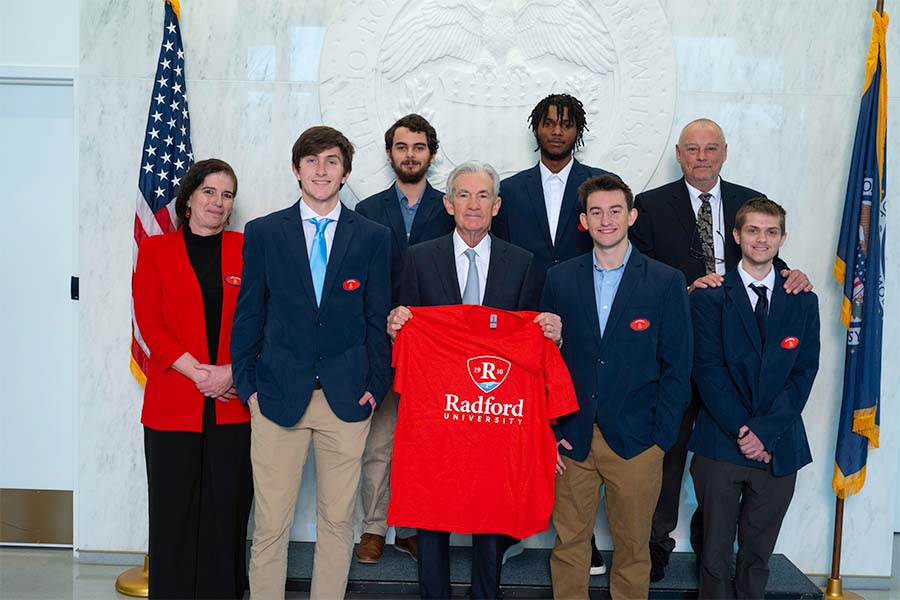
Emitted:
<point x="845" y="486"/>
<point x="864" y="424"/>
<point x="138" y="373"/>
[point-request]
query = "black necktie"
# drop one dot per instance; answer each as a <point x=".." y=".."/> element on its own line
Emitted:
<point x="762" y="309"/>
<point x="705" y="231"/>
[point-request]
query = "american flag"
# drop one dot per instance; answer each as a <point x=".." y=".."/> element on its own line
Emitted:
<point x="165" y="157"/>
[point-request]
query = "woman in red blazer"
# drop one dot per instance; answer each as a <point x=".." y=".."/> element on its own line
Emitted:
<point x="196" y="429"/>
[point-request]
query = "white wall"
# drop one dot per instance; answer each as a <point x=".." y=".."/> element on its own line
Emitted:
<point x="783" y="80"/>
<point x="38" y="251"/>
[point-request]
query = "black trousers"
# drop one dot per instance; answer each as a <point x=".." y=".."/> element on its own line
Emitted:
<point x="665" y="517"/>
<point x="200" y="492"/>
<point x="751" y="501"/>
<point x="434" y="564"/>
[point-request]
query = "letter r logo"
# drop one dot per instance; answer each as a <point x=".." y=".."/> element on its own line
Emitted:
<point x="488" y="372"/>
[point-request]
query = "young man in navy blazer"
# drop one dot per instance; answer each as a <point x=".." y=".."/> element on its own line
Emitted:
<point x="414" y="212"/>
<point x="311" y="358"/>
<point x="627" y="343"/>
<point x="540" y="204"/>
<point x="755" y="360"/>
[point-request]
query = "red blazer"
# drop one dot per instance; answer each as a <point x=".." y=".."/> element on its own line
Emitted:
<point x="168" y="308"/>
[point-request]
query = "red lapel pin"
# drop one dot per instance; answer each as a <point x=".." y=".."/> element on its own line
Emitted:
<point x="789" y="343"/>
<point x="351" y="284"/>
<point x="233" y="280"/>
<point x="639" y="324"/>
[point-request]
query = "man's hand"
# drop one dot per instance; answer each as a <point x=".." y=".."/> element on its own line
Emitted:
<point x="252" y="400"/>
<point x="369" y="399"/>
<point x="231" y="394"/>
<point x="217" y="382"/>
<point x="751" y="446"/>
<point x="551" y="325"/>
<point x="710" y="280"/>
<point x="396" y="319"/>
<point x="560" y="465"/>
<point x="796" y="281"/>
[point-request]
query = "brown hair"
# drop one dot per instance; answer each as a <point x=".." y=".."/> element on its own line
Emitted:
<point x="416" y="124"/>
<point x="318" y="139"/>
<point x="603" y="183"/>
<point x="193" y="179"/>
<point x="760" y="205"/>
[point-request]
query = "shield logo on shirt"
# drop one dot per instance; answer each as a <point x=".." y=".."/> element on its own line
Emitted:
<point x="488" y="372"/>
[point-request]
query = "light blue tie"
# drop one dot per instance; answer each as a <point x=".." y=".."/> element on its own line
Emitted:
<point x="471" y="293"/>
<point x="318" y="256"/>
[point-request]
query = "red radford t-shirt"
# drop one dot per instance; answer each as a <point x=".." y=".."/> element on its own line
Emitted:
<point x="473" y="448"/>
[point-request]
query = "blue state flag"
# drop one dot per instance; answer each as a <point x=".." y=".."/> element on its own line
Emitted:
<point x="859" y="268"/>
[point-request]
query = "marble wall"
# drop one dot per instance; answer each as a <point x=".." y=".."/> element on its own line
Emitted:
<point x="782" y="79"/>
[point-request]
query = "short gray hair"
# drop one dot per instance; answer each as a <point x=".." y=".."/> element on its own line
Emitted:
<point x="473" y="166"/>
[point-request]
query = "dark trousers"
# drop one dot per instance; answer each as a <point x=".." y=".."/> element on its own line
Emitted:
<point x="200" y="492"/>
<point x="751" y="501"/>
<point x="665" y="517"/>
<point x="434" y="564"/>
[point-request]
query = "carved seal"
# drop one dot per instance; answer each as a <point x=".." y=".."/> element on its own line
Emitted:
<point x="476" y="68"/>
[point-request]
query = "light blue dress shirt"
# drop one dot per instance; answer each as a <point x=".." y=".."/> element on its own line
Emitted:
<point x="408" y="212"/>
<point x="606" y="284"/>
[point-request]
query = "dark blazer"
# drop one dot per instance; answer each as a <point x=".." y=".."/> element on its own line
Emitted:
<point x="664" y="228"/>
<point x="168" y="308"/>
<point x="522" y="219"/>
<point x="743" y="383"/>
<point x="281" y="341"/>
<point x="634" y="381"/>
<point x="429" y="276"/>
<point x="431" y="221"/>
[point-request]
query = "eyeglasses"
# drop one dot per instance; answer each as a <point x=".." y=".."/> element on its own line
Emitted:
<point x="695" y="250"/>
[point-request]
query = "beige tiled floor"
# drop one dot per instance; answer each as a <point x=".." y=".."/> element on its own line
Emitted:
<point x="54" y="574"/>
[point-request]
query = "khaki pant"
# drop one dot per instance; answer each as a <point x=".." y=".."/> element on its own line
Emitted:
<point x="278" y="455"/>
<point x="632" y="489"/>
<point x="376" y="469"/>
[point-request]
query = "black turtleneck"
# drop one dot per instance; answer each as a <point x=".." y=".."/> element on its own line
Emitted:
<point x="205" y="254"/>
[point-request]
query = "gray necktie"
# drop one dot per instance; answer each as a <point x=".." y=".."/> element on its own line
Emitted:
<point x="471" y="293"/>
<point x="705" y="231"/>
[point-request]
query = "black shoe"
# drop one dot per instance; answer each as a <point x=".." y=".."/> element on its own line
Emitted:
<point x="659" y="560"/>
<point x="598" y="567"/>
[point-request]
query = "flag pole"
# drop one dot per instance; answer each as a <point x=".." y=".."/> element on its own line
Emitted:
<point x="834" y="588"/>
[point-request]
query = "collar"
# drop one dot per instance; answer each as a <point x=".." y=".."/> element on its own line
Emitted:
<point x="459" y="246"/>
<point x="563" y="174"/>
<point x="768" y="281"/>
<point x="401" y="196"/>
<point x="715" y="192"/>
<point x="624" y="260"/>
<point x="306" y="213"/>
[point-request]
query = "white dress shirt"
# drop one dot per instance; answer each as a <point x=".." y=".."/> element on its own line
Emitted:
<point x="718" y="220"/>
<point x="554" y="185"/>
<point x="309" y="229"/>
<point x="482" y="261"/>
<point x="768" y="282"/>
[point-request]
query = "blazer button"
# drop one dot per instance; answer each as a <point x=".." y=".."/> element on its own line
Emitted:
<point x="319" y="323"/>
<point x="555" y="261"/>
<point x="594" y="395"/>
<point x="318" y="357"/>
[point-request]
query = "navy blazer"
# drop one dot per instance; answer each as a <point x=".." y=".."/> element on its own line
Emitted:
<point x="522" y="219"/>
<point x="665" y="227"/>
<point x="634" y="381"/>
<point x="429" y="276"/>
<point x="431" y="221"/>
<point x="743" y="383"/>
<point x="281" y="341"/>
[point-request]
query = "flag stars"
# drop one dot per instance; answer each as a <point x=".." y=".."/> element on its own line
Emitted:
<point x="162" y="174"/>
<point x="150" y="150"/>
<point x="183" y="132"/>
<point x="180" y="54"/>
<point x="160" y="99"/>
<point x="190" y="155"/>
<point x="168" y="140"/>
<point x="148" y="168"/>
<point x="165" y="64"/>
<point x="163" y="82"/>
<point x="181" y="146"/>
<point x="171" y="122"/>
<point x="157" y="117"/>
<point x="154" y="133"/>
<point x="167" y="158"/>
<point x="178" y="71"/>
<point x="159" y="192"/>
<point x="171" y="28"/>
<point x="177" y="88"/>
<point x="174" y="106"/>
<point x="176" y="181"/>
<point x="168" y="46"/>
<point x="179" y="164"/>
